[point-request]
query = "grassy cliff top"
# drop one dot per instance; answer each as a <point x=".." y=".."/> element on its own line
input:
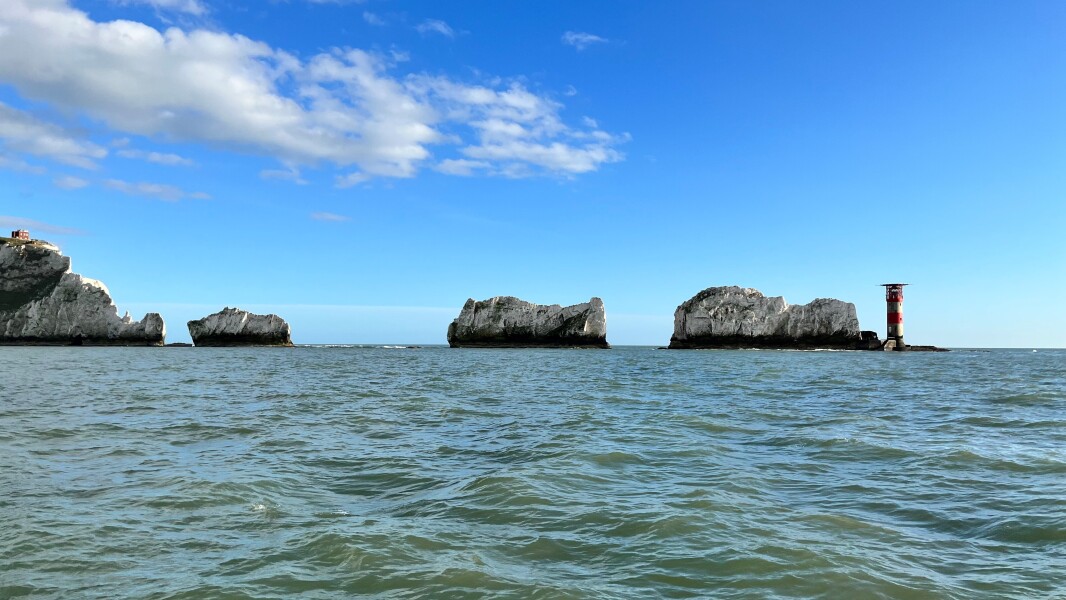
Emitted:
<point x="17" y="242"/>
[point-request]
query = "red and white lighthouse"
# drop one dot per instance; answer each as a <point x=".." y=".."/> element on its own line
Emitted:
<point x="894" y="298"/>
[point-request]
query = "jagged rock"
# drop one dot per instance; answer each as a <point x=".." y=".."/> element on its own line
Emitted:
<point x="236" y="327"/>
<point x="913" y="348"/>
<point x="43" y="302"/>
<point x="868" y="340"/>
<point x="507" y="322"/>
<point x="735" y="317"/>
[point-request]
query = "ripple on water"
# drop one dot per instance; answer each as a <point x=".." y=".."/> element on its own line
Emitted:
<point x="397" y="473"/>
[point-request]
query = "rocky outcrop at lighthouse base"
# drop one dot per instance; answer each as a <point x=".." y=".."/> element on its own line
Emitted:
<point x="43" y="303"/>
<point x="735" y="317"/>
<point x="236" y="327"/>
<point x="507" y="322"/>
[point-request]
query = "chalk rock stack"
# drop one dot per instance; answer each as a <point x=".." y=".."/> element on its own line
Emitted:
<point x="236" y="327"/>
<point x="507" y="322"/>
<point x="735" y="317"/>
<point x="43" y="303"/>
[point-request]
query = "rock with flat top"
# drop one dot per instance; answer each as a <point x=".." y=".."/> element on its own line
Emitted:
<point x="507" y="322"/>
<point x="236" y="327"/>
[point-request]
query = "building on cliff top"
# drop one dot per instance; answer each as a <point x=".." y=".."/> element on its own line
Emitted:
<point x="21" y="234"/>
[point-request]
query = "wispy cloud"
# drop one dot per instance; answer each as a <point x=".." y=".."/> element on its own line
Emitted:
<point x="435" y="26"/>
<point x="461" y="166"/>
<point x="160" y="191"/>
<point x="351" y="180"/>
<point x="373" y="19"/>
<point x="68" y="182"/>
<point x="581" y="39"/>
<point x="192" y="7"/>
<point x="291" y="174"/>
<point x="17" y="164"/>
<point x="159" y="158"/>
<point x="328" y="216"/>
<point x="7" y="222"/>
<point x="22" y="132"/>
<point x="347" y="110"/>
<point x="519" y="133"/>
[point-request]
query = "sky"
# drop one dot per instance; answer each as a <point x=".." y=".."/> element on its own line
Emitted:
<point x="362" y="168"/>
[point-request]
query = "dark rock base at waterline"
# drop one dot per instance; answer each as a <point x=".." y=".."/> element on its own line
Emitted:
<point x="527" y="342"/>
<point x="79" y="341"/>
<point x="220" y="341"/>
<point x="741" y="342"/>
<point x="910" y="348"/>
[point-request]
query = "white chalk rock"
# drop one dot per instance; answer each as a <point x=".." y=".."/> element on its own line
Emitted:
<point x="506" y="321"/>
<point x="43" y="302"/>
<point x="236" y="327"/>
<point x="735" y="317"/>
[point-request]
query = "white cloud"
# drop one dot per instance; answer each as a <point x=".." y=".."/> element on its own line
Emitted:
<point x="17" y="164"/>
<point x="461" y="166"/>
<point x="327" y="216"/>
<point x="373" y="19"/>
<point x="351" y="179"/>
<point x="214" y="88"/>
<point x="192" y="7"/>
<point x="570" y="91"/>
<point x="582" y="40"/>
<point x="341" y="107"/>
<point x="68" y="182"/>
<point x="393" y="128"/>
<point x="553" y="157"/>
<point x="160" y="191"/>
<point x="519" y="133"/>
<point x="160" y="158"/>
<point x="435" y="26"/>
<point x="22" y="132"/>
<point x="290" y="174"/>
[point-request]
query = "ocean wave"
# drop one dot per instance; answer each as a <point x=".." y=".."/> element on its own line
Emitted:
<point x="531" y="474"/>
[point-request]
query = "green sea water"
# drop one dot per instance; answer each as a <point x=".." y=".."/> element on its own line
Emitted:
<point x="334" y="472"/>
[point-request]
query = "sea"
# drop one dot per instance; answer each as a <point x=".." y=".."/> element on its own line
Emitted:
<point x="394" y="472"/>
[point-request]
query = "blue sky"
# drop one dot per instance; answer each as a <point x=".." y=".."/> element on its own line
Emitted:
<point x="362" y="168"/>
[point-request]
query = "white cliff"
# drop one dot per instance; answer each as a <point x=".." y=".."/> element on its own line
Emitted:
<point x="735" y="317"/>
<point x="506" y="321"/>
<point x="236" y="327"/>
<point x="43" y="302"/>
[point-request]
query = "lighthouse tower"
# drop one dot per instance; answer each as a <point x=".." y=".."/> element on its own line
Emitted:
<point x="894" y="298"/>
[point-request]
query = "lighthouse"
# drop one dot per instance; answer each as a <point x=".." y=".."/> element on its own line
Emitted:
<point x="894" y="298"/>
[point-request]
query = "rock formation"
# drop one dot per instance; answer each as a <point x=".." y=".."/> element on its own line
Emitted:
<point x="507" y="322"/>
<point x="236" y="327"/>
<point x="735" y="317"/>
<point x="43" y="302"/>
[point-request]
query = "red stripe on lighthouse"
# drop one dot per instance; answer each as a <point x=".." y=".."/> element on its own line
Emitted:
<point x="895" y="318"/>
